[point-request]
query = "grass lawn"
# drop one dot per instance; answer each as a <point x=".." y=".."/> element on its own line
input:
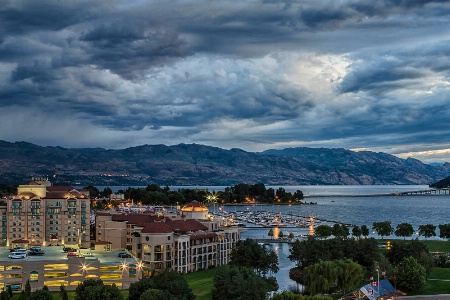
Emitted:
<point x="437" y="246"/>
<point x="432" y="245"/>
<point x="201" y="283"/>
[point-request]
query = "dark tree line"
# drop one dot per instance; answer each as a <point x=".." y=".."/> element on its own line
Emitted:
<point x="240" y="193"/>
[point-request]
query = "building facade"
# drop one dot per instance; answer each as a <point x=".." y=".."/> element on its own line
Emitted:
<point x="186" y="241"/>
<point x="68" y="272"/>
<point x="45" y="215"/>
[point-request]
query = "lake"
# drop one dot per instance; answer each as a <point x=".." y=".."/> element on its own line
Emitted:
<point x="365" y="210"/>
<point x="354" y="208"/>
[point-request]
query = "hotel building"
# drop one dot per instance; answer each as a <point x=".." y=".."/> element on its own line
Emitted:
<point x="44" y="215"/>
<point x="186" y="241"/>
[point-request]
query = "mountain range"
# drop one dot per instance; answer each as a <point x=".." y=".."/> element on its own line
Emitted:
<point x="194" y="164"/>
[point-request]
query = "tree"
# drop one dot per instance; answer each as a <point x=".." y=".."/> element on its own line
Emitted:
<point x="4" y="295"/>
<point x="444" y="231"/>
<point x="415" y="249"/>
<point x="365" y="231"/>
<point x="27" y="289"/>
<point x="152" y="294"/>
<point x="411" y="276"/>
<point x="248" y="253"/>
<point x="427" y="230"/>
<point x="322" y="231"/>
<point x="328" y="276"/>
<point x="340" y="231"/>
<point x="270" y="233"/>
<point x="290" y="235"/>
<point x="41" y="295"/>
<point x="285" y="295"/>
<point x="171" y="284"/>
<point x="356" y="232"/>
<point x="137" y="288"/>
<point x="311" y="251"/>
<point x="238" y="283"/>
<point x="92" y="289"/>
<point x="281" y="234"/>
<point x="63" y="292"/>
<point x="383" y="228"/>
<point x="404" y="230"/>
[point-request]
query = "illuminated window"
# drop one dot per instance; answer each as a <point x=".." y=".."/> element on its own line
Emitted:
<point x="34" y="276"/>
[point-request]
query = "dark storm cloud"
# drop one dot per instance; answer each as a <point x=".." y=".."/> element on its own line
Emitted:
<point x="369" y="74"/>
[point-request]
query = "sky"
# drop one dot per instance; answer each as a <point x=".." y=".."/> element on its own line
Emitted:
<point x="255" y="75"/>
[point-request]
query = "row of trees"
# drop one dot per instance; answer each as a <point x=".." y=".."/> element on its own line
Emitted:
<point x="240" y="193"/>
<point x="40" y="294"/>
<point x="383" y="229"/>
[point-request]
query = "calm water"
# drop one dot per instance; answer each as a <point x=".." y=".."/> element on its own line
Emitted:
<point x="416" y="210"/>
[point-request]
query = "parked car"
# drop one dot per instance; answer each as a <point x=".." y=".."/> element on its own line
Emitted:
<point x="89" y="254"/>
<point x="68" y="249"/>
<point x="36" y="253"/>
<point x="14" y="287"/>
<point x="18" y="255"/>
<point x="123" y="255"/>
<point x="72" y="254"/>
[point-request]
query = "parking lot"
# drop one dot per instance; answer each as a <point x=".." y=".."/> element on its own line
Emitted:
<point x="56" y="252"/>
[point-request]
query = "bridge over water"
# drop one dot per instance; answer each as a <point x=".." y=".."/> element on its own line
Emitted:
<point x="430" y="192"/>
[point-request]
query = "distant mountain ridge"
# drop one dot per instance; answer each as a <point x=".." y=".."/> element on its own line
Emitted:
<point x="193" y="164"/>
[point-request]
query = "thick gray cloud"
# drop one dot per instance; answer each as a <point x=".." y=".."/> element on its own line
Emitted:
<point x="254" y="75"/>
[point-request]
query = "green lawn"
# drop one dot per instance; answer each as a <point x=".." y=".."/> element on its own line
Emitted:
<point x="437" y="246"/>
<point x="201" y="283"/>
<point x="432" y="245"/>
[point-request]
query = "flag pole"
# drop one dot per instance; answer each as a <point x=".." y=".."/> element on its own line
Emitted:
<point x="378" y="274"/>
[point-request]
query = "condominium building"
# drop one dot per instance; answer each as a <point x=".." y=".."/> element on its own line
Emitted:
<point x="186" y="241"/>
<point x="44" y="215"/>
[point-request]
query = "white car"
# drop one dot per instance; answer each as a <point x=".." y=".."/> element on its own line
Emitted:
<point x="17" y="255"/>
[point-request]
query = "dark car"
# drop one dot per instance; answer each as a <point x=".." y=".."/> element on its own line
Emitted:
<point x="15" y="287"/>
<point x="36" y="253"/>
<point x="123" y="255"/>
<point x="68" y="249"/>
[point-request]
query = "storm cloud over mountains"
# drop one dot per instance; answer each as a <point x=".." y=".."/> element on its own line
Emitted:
<point x="254" y="75"/>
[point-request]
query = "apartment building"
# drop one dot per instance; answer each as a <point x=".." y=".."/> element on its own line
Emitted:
<point x="45" y="215"/>
<point x="186" y="241"/>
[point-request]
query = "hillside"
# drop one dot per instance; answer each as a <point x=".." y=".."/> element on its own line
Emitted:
<point x="192" y="164"/>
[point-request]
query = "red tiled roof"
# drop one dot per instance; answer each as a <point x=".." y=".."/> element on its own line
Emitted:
<point x="182" y="226"/>
<point x="202" y="236"/>
<point x="156" y="227"/>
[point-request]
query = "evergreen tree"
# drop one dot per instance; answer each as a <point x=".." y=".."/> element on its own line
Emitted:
<point x="63" y="292"/>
